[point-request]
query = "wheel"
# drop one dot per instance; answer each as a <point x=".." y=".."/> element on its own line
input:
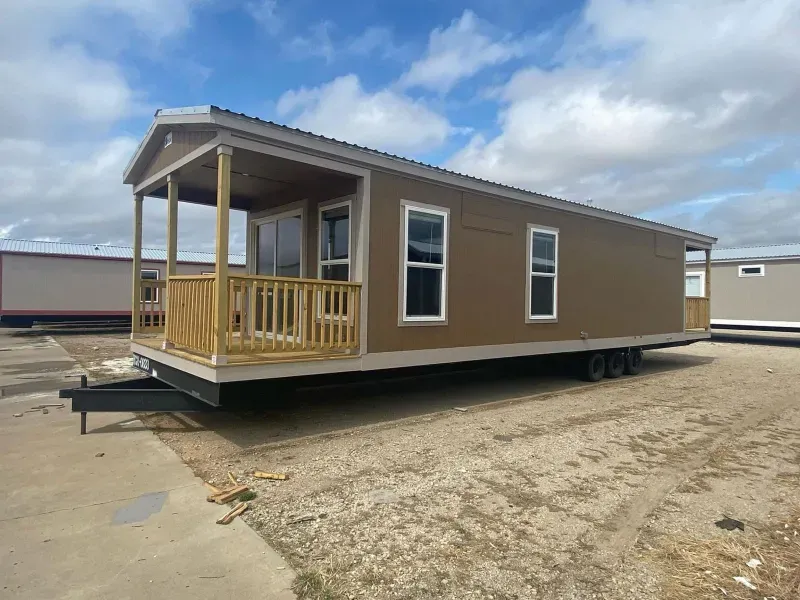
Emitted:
<point x="633" y="361"/>
<point x="615" y="364"/>
<point x="593" y="366"/>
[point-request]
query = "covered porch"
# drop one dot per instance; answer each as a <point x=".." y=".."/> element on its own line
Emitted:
<point x="300" y="297"/>
<point x="697" y="311"/>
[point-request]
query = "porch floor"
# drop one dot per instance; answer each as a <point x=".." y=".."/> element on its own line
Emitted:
<point x="251" y="358"/>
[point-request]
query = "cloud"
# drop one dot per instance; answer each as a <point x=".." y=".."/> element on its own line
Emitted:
<point x="30" y="22"/>
<point x="377" y="42"/>
<point x="762" y="217"/>
<point x="73" y="193"/>
<point x="265" y="12"/>
<point x="69" y="87"/>
<point x="459" y="51"/>
<point x="320" y="42"/>
<point x="64" y="93"/>
<point x="654" y="104"/>
<point x="384" y="120"/>
<point x="316" y="44"/>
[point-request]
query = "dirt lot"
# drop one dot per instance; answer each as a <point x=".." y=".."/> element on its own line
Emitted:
<point x="104" y="356"/>
<point x="543" y="488"/>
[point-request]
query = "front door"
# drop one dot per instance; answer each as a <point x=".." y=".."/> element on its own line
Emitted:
<point x="279" y="253"/>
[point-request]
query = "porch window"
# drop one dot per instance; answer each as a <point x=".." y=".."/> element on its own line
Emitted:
<point x="542" y="285"/>
<point x="334" y="252"/>
<point x="425" y="264"/>
<point x="696" y="284"/>
<point x="334" y="242"/>
<point x="150" y="294"/>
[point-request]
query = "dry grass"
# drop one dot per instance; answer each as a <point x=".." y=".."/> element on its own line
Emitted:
<point x="705" y="568"/>
<point x="322" y="583"/>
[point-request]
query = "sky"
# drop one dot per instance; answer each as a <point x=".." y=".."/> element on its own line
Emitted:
<point x="680" y="111"/>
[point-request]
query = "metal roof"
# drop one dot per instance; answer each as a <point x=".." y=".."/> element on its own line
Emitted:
<point x="771" y="251"/>
<point x="109" y="251"/>
<point x="209" y="109"/>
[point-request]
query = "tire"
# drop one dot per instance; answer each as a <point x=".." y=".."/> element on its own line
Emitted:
<point x="633" y="361"/>
<point x="593" y="366"/>
<point x="615" y="364"/>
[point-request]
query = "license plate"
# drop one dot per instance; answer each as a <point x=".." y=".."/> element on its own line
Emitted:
<point x="142" y="363"/>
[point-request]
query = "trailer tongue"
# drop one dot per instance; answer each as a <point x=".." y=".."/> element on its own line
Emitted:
<point x="146" y="394"/>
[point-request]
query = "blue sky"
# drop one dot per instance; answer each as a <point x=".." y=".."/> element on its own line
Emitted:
<point x="679" y="111"/>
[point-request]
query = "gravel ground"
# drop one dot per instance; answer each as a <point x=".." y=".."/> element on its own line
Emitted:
<point x="543" y="488"/>
<point x="104" y="356"/>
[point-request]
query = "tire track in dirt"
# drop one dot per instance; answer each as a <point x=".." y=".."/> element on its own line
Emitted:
<point x="623" y="530"/>
<point x="620" y="533"/>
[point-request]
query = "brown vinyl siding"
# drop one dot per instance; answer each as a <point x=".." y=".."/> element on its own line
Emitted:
<point x="773" y="297"/>
<point x="312" y="196"/>
<point x="183" y="142"/>
<point x="611" y="283"/>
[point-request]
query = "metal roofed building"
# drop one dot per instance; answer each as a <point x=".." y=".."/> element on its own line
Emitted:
<point x="755" y="287"/>
<point x="61" y="281"/>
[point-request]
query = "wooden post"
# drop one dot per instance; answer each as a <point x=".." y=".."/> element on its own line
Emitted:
<point x="172" y="247"/>
<point x="224" y="154"/>
<point x="708" y="287"/>
<point x="136" y="296"/>
<point x="172" y="224"/>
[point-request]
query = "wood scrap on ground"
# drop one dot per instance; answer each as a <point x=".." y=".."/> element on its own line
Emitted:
<point x="59" y="405"/>
<point x="226" y="496"/>
<point x="264" y="475"/>
<point x="232" y="478"/>
<point x="212" y="488"/>
<point x="232" y="514"/>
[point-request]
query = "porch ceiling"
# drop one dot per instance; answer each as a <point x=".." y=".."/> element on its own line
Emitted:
<point x="254" y="176"/>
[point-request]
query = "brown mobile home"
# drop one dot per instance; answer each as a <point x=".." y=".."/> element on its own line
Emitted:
<point x="358" y="260"/>
<point x="58" y="281"/>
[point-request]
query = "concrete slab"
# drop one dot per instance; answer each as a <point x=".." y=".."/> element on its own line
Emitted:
<point x="33" y="363"/>
<point x="132" y="523"/>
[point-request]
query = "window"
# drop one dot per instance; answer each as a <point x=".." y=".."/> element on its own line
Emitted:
<point x="334" y="250"/>
<point x="334" y="242"/>
<point x="150" y="294"/>
<point x="425" y="238"/>
<point x="696" y="284"/>
<point x="751" y="270"/>
<point x="278" y="241"/>
<point x="542" y="285"/>
<point x="167" y="139"/>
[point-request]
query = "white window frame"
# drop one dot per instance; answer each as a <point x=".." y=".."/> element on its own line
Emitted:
<point x="324" y="207"/>
<point x="156" y="296"/>
<point x="439" y="211"/>
<point x="761" y="273"/>
<point x="529" y="318"/>
<point x="257" y="221"/>
<point x="267" y="217"/>
<point x="702" y="276"/>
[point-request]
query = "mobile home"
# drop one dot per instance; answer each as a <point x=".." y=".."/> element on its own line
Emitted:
<point x="59" y="281"/>
<point x="755" y="287"/>
<point x="359" y="260"/>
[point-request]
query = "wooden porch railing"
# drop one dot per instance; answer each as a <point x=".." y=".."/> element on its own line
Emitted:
<point x="698" y="315"/>
<point x="151" y="306"/>
<point x="280" y="314"/>
<point x="190" y="311"/>
<point x="265" y="314"/>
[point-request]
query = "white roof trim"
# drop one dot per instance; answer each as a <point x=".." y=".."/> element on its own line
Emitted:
<point x="344" y="152"/>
